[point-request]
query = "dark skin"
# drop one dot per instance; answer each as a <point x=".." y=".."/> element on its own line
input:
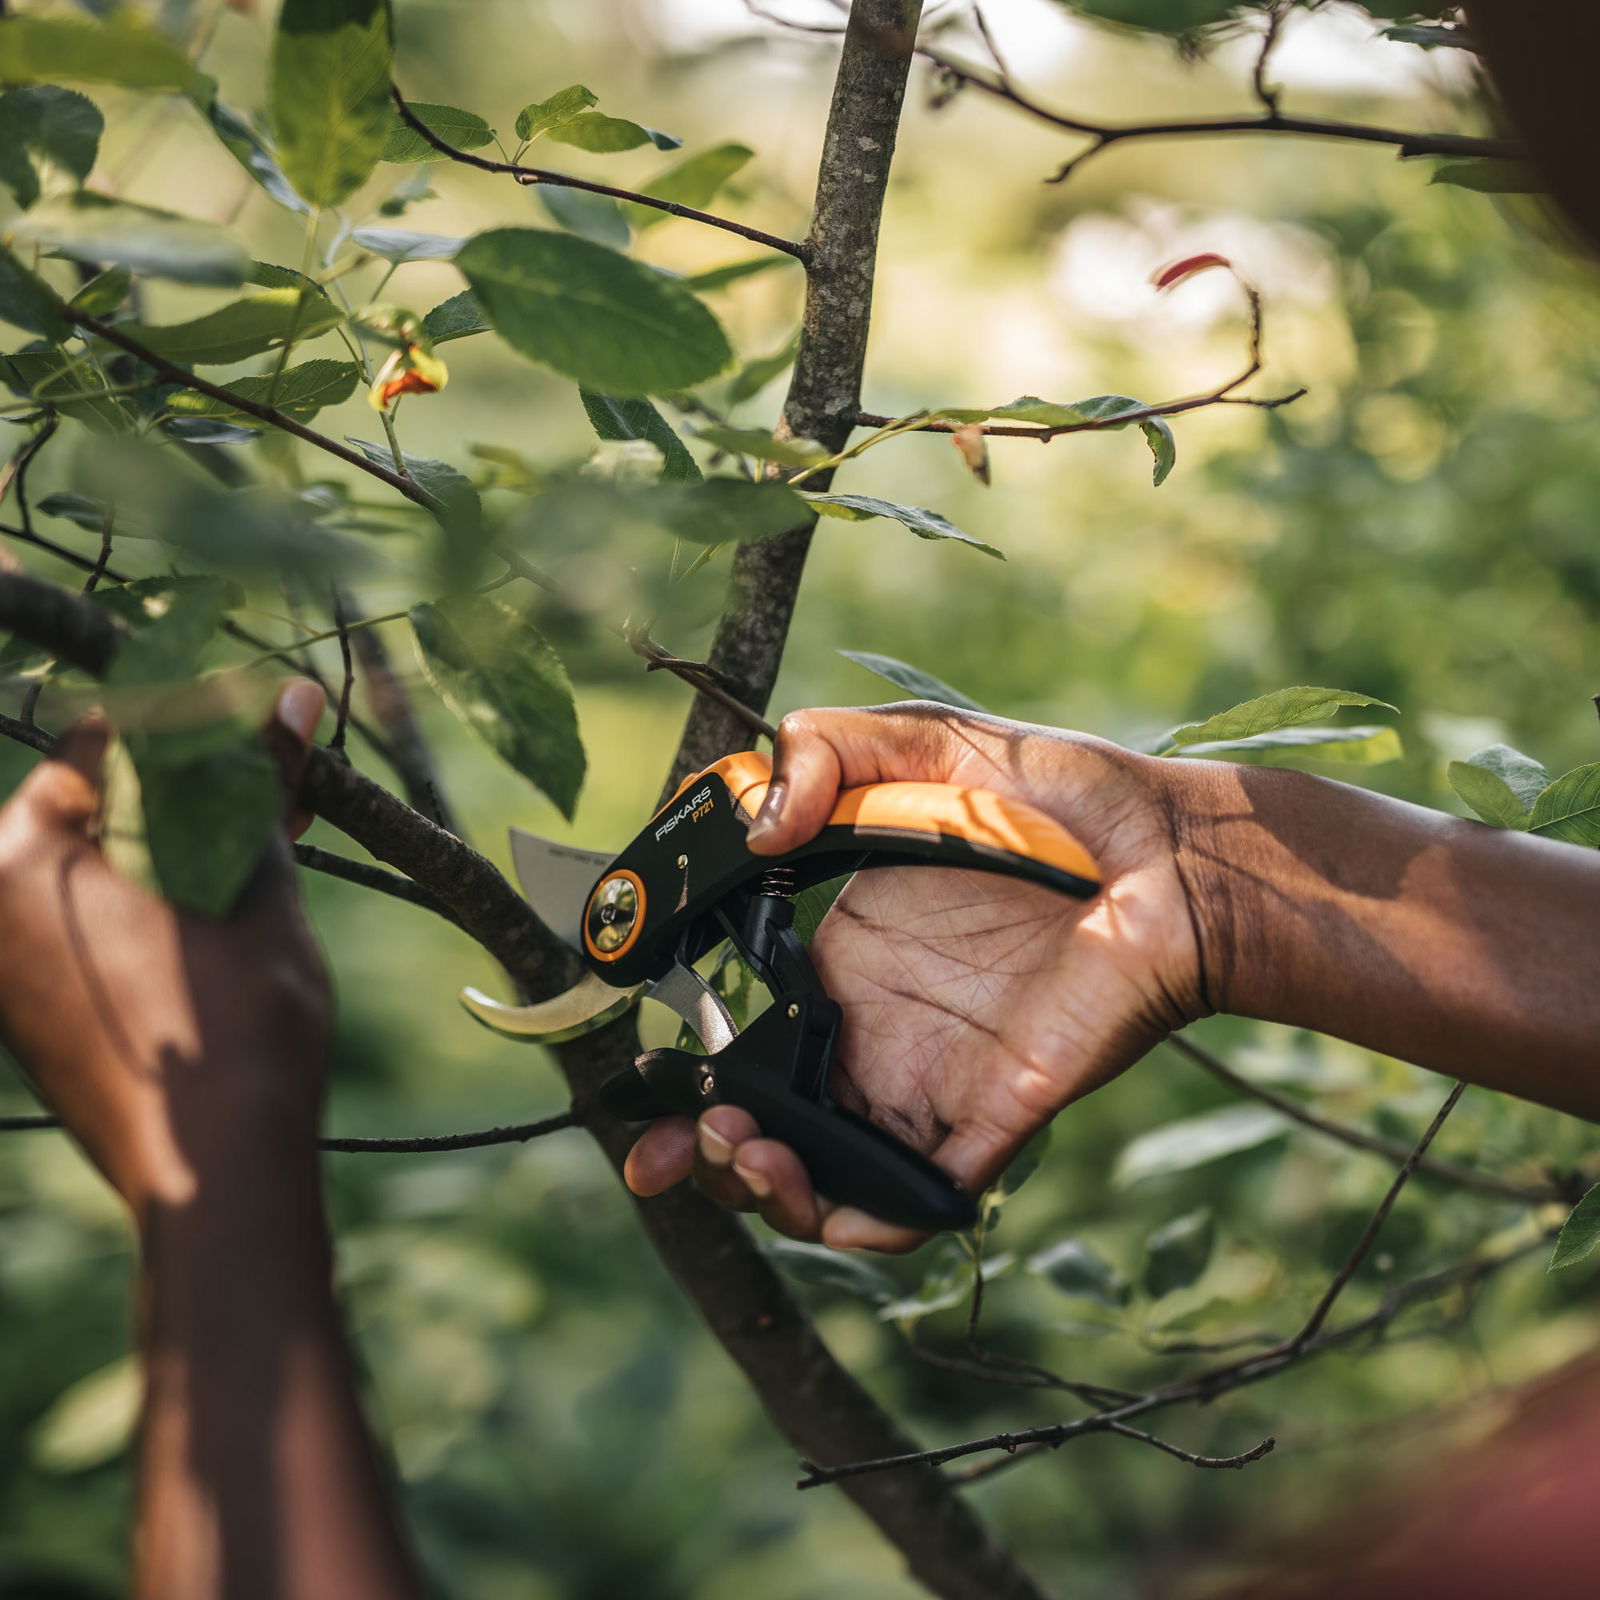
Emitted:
<point x="187" y="1057"/>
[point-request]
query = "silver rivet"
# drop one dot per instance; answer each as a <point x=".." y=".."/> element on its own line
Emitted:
<point x="794" y="1011"/>
<point x="683" y="861"/>
<point x="708" y="1082"/>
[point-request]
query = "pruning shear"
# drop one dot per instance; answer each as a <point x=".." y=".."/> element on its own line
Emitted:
<point x="641" y="919"/>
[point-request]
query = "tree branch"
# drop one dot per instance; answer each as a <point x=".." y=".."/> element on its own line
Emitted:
<point x="530" y="176"/>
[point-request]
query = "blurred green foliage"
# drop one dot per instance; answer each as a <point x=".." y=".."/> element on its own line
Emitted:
<point x="1418" y="528"/>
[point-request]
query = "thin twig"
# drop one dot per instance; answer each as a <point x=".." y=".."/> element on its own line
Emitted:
<point x="107" y="523"/>
<point x="536" y="175"/>
<point x="1223" y="1463"/>
<point x="1265" y="93"/>
<point x="1358" y="1138"/>
<point x="431" y="1144"/>
<point x="28" y="733"/>
<point x="342" y="719"/>
<point x="394" y="884"/>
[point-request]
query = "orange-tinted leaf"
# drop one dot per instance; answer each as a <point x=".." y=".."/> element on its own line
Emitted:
<point x="1179" y="271"/>
<point x="973" y="448"/>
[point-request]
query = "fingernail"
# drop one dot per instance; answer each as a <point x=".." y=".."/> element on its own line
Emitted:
<point x="716" y="1151"/>
<point x="300" y="707"/>
<point x="758" y="1183"/>
<point x="771" y="812"/>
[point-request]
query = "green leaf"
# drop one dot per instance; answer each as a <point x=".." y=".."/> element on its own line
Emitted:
<point x="399" y="246"/>
<point x="74" y="389"/>
<point x="1491" y="176"/>
<point x="614" y="418"/>
<point x="721" y="277"/>
<point x="917" y="683"/>
<point x="300" y="391"/>
<point x="1521" y="774"/>
<point x="46" y="128"/>
<point x="240" y="329"/>
<point x="757" y="442"/>
<point x="602" y="135"/>
<point x="1162" y="446"/>
<point x="692" y="182"/>
<point x="819" y="1267"/>
<point x="1156" y="16"/>
<point x="1570" y="808"/>
<point x="245" y="145"/>
<point x="1177" y="1253"/>
<point x="81" y="510"/>
<point x="1580" y="1233"/>
<point x="1077" y="1270"/>
<point x="456" y="318"/>
<point x="158" y="244"/>
<point x="1099" y="413"/>
<point x="102" y="294"/>
<point x="722" y="510"/>
<point x="1431" y="36"/>
<point x="27" y="301"/>
<point x="563" y="106"/>
<point x="596" y="217"/>
<point x="755" y="375"/>
<point x="609" y="322"/>
<point x="331" y="66"/>
<point x="925" y="524"/>
<point x="1194" y="1141"/>
<point x="1488" y="794"/>
<point x="1283" y="708"/>
<point x="1368" y="746"/>
<point x="92" y="1421"/>
<point x="464" y="129"/>
<point x="148" y="600"/>
<point x="123" y="50"/>
<point x="812" y="905"/>
<point x="500" y="677"/>
<point x="444" y="482"/>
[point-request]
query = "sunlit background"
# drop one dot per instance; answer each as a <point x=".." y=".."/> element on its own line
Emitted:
<point x="1420" y="526"/>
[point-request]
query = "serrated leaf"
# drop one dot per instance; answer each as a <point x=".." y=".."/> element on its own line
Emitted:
<point x="760" y="444"/>
<point x="1580" y="1233"/>
<point x="331" y="66"/>
<point x="88" y="227"/>
<point x="91" y="1421"/>
<point x="562" y="106"/>
<point x="609" y="322"/>
<point x="1494" y="800"/>
<point x="301" y="392"/>
<point x="1099" y="412"/>
<point x="73" y="388"/>
<point x="818" y="1267"/>
<point x="918" y="684"/>
<point x="245" y="145"/>
<point x="601" y="135"/>
<point x="692" y="182"/>
<point x="104" y="292"/>
<point x="1491" y="176"/>
<point x="1194" y="1141"/>
<point x="1283" y="708"/>
<point x="500" y="677"/>
<point x="1367" y="746"/>
<point x="123" y="50"/>
<point x="241" y="329"/>
<point x="1076" y="1269"/>
<point x="27" y="301"/>
<point x="721" y="277"/>
<point x="463" y="129"/>
<point x="595" y="217"/>
<point x="456" y="318"/>
<point x="1178" y="1252"/>
<point x="922" y="522"/>
<point x="1570" y="808"/>
<point x="614" y="418"/>
<point x="1522" y="775"/>
<point x="400" y="245"/>
<point x="42" y="128"/>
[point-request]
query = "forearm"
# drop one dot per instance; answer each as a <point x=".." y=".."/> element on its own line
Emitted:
<point x="258" y="1477"/>
<point x="1467" y="949"/>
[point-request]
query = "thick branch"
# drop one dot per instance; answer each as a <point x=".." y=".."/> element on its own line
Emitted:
<point x="536" y="175"/>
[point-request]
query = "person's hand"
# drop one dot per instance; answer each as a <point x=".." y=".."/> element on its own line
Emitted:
<point x="171" y="1045"/>
<point x="975" y="1006"/>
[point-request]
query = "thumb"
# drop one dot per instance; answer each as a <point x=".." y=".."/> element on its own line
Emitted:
<point x="63" y="791"/>
<point x="289" y="732"/>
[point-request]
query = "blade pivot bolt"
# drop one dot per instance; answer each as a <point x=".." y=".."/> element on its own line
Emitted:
<point x="708" y="1080"/>
<point x="683" y="861"/>
<point x="794" y="1011"/>
<point x="612" y="913"/>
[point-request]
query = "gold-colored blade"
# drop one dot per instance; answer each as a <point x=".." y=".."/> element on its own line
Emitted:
<point x="587" y="1005"/>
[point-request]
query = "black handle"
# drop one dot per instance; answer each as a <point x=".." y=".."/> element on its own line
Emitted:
<point x="850" y="1160"/>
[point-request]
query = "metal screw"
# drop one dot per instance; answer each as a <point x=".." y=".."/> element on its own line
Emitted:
<point x="683" y="861"/>
<point x="708" y="1080"/>
<point x="794" y="1011"/>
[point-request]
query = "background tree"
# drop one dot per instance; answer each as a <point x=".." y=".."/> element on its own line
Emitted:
<point x="173" y="460"/>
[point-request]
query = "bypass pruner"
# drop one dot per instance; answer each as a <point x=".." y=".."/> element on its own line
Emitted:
<point x="641" y="919"/>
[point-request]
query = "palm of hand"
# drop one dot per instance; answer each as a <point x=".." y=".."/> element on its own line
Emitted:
<point x="976" y="1006"/>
